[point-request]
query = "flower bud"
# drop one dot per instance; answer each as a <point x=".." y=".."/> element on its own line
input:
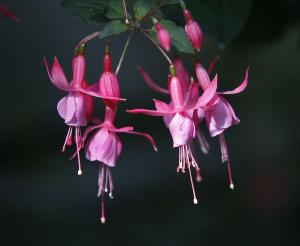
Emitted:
<point x="193" y="30"/>
<point x="163" y="36"/>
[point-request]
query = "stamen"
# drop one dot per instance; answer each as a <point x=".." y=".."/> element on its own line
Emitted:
<point x="102" y="209"/>
<point x="224" y="151"/>
<point x="78" y="146"/>
<point x="186" y="158"/>
<point x="111" y="185"/>
<point x="68" y="140"/>
<point x="192" y="184"/>
<point x="106" y="180"/>
<point x="225" y="157"/>
<point x="198" y="175"/>
<point x="204" y="146"/>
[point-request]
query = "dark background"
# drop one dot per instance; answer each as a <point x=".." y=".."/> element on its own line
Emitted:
<point x="44" y="202"/>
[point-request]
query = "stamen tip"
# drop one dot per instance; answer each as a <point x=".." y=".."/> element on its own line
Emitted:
<point x="231" y="186"/>
<point x="79" y="172"/>
<point x="195" y="201"/>
<point x="103" y="220"/>
<point x="198" y="178"/>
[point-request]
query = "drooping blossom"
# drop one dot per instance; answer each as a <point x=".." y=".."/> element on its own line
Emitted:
<point x="163" y="36"/>
<point x="178" y="118"/>
<point x="219" y="114"/>
<point x="105" y="145"/>
<point x="192" y="29"/>
<point x="77" y="107"/>
<point x="185" y="81"/>
<point x="7" y="13"/>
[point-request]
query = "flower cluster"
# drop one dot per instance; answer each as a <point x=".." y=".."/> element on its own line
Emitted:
<point x="104" y="145"/>
<point x="192" y="101"/>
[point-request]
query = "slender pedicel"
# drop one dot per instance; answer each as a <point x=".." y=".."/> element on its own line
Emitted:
<point x="124" y="52"/>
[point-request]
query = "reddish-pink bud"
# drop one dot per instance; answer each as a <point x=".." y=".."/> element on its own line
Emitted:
<point x="176" y="92"/>
<point x="79" y="68"/>
<point x="193" y="30"/>
<point x="107" y="63"/>
<point x="163" y="36"/>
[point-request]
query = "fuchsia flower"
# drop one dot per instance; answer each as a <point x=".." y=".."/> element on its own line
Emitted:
<point x="77" y="107"/>
<point x="219" y="114"/>
<point x="7" y="13"/>
<point x="105" y="145"/>
<point x="193" y="30"/>
<point x="185" y="82"/>
<point x="177" y="116"/>
<point x="163" y="36"/>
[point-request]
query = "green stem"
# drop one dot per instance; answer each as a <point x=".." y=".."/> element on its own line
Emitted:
<point x="124" y="52"/>
<point x="88" y="38"/>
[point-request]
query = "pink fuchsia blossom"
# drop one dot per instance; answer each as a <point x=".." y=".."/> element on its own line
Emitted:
<point x="219" y="114"/>
<point x="185" y="81"/>
<point x="105" y="145"/>
<point x="77" y="107"/>
<point x="193" y="30"/>
<point x="7" y="13"/>
<point x="178" y="118"/>
<point x="163" y="36"/>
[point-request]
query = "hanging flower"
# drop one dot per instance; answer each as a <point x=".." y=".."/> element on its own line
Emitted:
<point x="219" y="114"/>
<point x="77" y="107"/>
<point x="105" y="145"/>
<point x="177" y="116"/>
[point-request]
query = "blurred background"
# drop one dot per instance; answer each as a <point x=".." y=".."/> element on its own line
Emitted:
<point x="43" y="201"/>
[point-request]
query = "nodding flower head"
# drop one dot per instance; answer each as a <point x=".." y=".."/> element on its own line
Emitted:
<point x="178" y="118"/>
<point x="163" y="36"/>
<point x="219" y="114"/>
<point x="193" y="30"/>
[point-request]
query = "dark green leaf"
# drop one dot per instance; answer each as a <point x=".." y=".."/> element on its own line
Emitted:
<point x="178" y="36"/>
<point x="142" y="8"/>
<point x="113" y="28"/>
<point x="86" y="10"/>
<point x="114" y="9"/>
<point x="166" y="2"/>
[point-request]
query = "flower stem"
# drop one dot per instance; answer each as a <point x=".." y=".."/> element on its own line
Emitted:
<point x="124" y="52"/>
<point x="88" y="38"/>
<point x="158" y="47"/>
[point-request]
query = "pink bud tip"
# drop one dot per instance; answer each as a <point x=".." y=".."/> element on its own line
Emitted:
<point x="195" y="201"/>
<point x="163" y="37"/>
<point x="193" y="31"/>
<point x="231" y="186"/>
<point x="79" y="172"/>
<point x="103" y="220"/>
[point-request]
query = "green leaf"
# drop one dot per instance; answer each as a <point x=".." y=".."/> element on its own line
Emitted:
<point x="178" y="36"/>
<point x="114" y="9"/>
<point x="113" y="28"/>
<point x="86" y="10"/>
<point x="141" y="8"/>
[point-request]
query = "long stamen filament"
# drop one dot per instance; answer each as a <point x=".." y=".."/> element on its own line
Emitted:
<point x="78" y="143"/>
